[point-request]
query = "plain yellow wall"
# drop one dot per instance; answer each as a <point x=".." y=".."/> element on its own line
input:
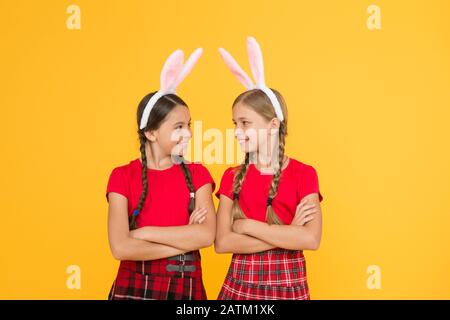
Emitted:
<point x="369" y="109"/>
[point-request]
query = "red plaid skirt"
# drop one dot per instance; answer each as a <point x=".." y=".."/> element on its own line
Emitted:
<point x="149" y="280"/>
<point x="277" y="274"/>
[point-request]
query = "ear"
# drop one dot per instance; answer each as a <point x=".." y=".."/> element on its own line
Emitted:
<point x="236" y="69"/>
<point x="255" y="59"/>
<point x="187" y="68"/>
<point x="274" y="124"/>
<point x="151" y="135"/>
<point x="171" y="69"/>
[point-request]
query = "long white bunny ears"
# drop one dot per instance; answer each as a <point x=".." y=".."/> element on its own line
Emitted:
<point x="173" y="73"/>
<point x="257" y="66"/>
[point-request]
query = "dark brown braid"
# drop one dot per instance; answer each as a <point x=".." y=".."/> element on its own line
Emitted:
<point x="188" y="178"/>
<point x="132" y="218"/>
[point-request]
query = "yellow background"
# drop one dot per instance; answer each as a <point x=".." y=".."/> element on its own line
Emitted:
<point x="369" y="109"/>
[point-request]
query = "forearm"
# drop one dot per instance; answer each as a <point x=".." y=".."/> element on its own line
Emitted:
<point x="291" y="237"/>
<point x="234" y="242"/>
<point x="188" y="237"/>
<point x="135" y="250"/>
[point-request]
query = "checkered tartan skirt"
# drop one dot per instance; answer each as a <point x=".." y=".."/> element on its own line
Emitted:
<point x="149" y="280"/>
<point x="277" y="274"/>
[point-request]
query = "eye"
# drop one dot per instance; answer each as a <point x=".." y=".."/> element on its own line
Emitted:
<point x="245" y="123"/>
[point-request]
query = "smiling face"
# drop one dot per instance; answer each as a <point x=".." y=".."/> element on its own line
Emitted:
<point x="253" y="130"/>
<point x="257" y="127"/>
<point x="174" y="132"/>
<point x="250" y="127"/>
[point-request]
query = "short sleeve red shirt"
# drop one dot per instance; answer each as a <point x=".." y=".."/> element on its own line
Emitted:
<point x="297" y="180"/>
<point x="167" y="198"/>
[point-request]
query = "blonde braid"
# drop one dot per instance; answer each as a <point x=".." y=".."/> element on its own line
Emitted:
<point x="272" y="217"/>
<point x="236" y="211"/>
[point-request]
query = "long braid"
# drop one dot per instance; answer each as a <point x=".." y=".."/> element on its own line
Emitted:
<point x="188" y="178"/>
<point x="236" y="211"/>
<point x="138" y="209"/>
<point x="272" y="217"/>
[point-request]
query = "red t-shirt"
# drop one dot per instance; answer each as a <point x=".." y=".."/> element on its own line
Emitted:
<point x="297" y="180"/>
<point x="167" y="198"/>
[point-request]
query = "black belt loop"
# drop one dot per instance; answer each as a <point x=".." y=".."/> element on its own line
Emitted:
<point x="181" y="268"/>
<point x="184" y="257"/>
<point x="183" y="262"/>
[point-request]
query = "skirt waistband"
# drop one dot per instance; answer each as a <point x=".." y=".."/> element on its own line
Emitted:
<point x="277" y="267"/>
<point x="183" y="265"/>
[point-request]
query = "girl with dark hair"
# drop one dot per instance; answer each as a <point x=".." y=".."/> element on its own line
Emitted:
<point x="160" y="206"/>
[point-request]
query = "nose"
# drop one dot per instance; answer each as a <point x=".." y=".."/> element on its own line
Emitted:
<point x="238" y="132"/>
<point x="187" y="133"/>
<point x="185" y="136"/>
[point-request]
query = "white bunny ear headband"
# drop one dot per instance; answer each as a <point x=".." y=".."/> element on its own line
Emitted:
<point x="257" y="66"/>
<point x="173" y="73"/>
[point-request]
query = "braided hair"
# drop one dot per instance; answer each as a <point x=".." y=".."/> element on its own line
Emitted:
<point x="259" y="102"/>
<point x="160" y="110"/>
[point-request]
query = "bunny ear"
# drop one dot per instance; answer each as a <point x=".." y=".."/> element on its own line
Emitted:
<point x="255" y="59"/>
<point x="187" y="68"/>
<point x="236" y="69"/>
<point x="171" y="69"/>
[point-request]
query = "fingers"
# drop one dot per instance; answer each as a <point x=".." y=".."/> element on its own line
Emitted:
<point x="300" y="221"/>
<point x="305" y="207"/>
<point x="303" y="203"/>
<point x="202" y="219"/>
<point x="306" y="219"/>
<point x="198" y="215"/>
<point x="305" y="211"/>
<point x="195" y="217"/>
<point x="305" y="214"/>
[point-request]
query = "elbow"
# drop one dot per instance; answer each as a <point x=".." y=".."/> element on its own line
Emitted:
<point x="203" y="240"/>
<point x="219" y="250"/>
<point x="310" y="243"/>
<point x="315" y="244"/>
<point x="208" y="240"/>
<point x="219" y="246"/>
<point x="118" y="252"/>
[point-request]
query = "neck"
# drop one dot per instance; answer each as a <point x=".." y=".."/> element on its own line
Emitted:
<point x="267" y="153"/>
<point x="155" y="158"/>
<point x="264" y="161"/>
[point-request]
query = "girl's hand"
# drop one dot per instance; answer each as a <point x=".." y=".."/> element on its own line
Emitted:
<point x="198" y="215"/>
<point x="305" y="213"/>
<point x="239" y="226"/>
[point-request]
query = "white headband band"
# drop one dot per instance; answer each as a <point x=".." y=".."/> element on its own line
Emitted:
<point x="257" y="67"/>
<point x="172" y="74"/>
